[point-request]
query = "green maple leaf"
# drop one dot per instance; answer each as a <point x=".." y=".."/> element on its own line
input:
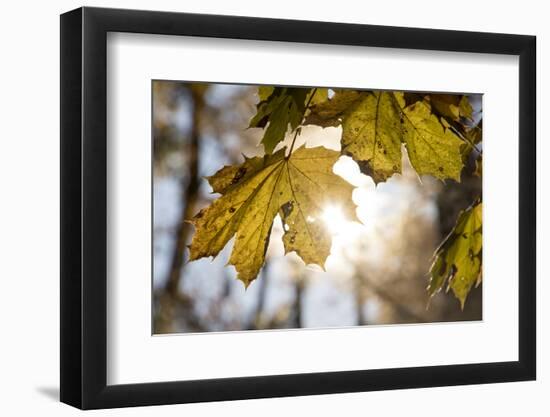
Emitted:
<point x="279" y="108"/>
<point x="297" y="188"/>
<point x="458" y="260"/>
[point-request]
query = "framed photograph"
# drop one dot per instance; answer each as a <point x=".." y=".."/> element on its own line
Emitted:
<point x="257" y="208"/>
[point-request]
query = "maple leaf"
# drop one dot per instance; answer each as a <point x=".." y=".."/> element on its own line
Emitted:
<point x="478" y="169"/>
<point x="433" y="148"/>
<point x="458" y="260"/>
<point x="454" y="107"/>
<point x="265" y="91"/>
<point x="465" y="108"/>
<point x="317" y="95"/>
<point x="329" y="112"/>
<point x="279" y="107"/>
<point x="298" y="188"/>
<point x="446" y="105"/>
<point x="372" y="134"/>
<point x="375" y="124"/>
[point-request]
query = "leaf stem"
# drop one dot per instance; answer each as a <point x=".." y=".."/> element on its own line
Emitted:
<point x="298" y="130"/>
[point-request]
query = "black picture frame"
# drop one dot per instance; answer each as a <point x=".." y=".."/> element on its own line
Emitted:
<point x="84" y="207"/>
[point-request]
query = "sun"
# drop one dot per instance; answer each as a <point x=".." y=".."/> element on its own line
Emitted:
<point x="335" y="220"/>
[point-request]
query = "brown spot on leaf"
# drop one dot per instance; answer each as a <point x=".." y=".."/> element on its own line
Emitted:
<point x="287" y="208"/>
<point x="238" y="175"/>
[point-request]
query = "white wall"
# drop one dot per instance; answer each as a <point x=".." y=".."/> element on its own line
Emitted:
<point x="29" y="237"/>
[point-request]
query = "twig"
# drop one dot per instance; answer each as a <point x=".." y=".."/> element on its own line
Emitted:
<point x="299" y="128"/>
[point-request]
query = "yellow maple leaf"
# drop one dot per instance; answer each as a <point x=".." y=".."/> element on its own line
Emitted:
<point x="375" y="125"/>
<point x="298" y="188"/>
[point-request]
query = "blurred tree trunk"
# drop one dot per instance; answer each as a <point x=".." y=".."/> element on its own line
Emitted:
<point x="297" y="319"/>
<point x="257" y="317"/>
<point x="170" y="297"/>
<point x="455" y="197"/>
<point x="402" y="312"/>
